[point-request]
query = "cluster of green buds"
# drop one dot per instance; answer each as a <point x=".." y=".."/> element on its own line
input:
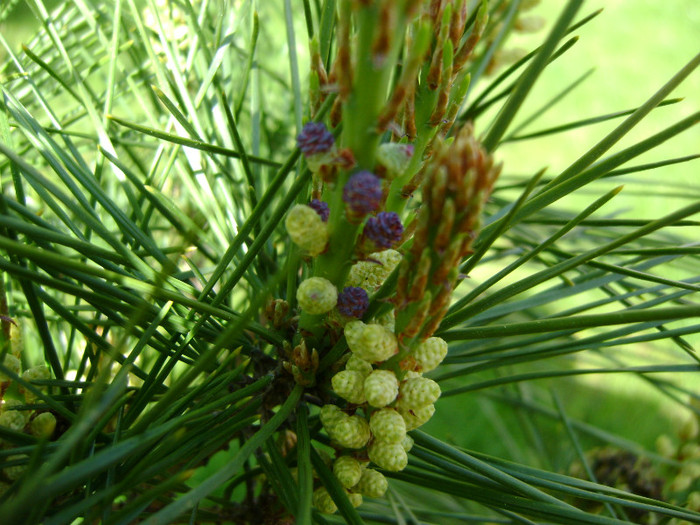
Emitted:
<point x="522" y="22"/>
<point x="394" y="206"/>
<point x="683" y="486"/>
<point x="622" y="470"/>
<point x="16" y="413"/>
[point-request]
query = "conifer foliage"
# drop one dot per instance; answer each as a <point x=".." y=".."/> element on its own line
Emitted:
<point x="245" y="284"/>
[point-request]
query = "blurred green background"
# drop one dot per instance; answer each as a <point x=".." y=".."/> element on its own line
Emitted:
<point x="635" y="46"/>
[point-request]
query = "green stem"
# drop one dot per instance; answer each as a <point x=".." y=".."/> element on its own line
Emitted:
<point x="368" y="94"/>
<point x="360" y="113"/>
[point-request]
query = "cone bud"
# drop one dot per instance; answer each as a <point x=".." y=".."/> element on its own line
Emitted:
<point x="43" y="425"/>
<point x="348" y="384"/>
<point x="348" y="471"/>
<point x="416" y="417"/>
<point x="389" y="456"/>
<point x="359" y="365"/>
<point x="323" y="501"/>
<point x="307" y="229"/>
<point x="388" y="426"/>
<point x="381" y="388"/>
<point x="317" y="295"/>
<point x="419" y="392"/>
<point x="374" y="343"/>
<point x="372" y="484"/>
<point x="351" y="432"/>
<point x="430" y="353"/>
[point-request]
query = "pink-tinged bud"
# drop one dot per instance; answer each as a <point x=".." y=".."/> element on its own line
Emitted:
<point x="314" y="139"/>
<point x="321" y="208"/>
<point x="385" y="230"/>
<point x="353" y="301"/>
<point x="362" y="194"/>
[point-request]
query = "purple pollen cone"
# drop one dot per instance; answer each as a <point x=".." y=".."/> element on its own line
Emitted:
<point x="385" y="230"/>
<point x="353" y="301"/>
<point x="315" y="138"/>
<point x="363" y="193"/>
<point x="321" y="208"/>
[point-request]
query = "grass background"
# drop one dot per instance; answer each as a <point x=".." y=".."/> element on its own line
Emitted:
<point x="635" y="47"/>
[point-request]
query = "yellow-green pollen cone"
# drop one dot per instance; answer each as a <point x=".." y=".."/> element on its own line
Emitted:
<point x="372" y="484"/>
<point x="418" y="392"/>
<point x="381" y="388"/>
<point x="389" y="456"/>
<point x="371" y="342"/>
<point x="349" y="385"/>
<point x="387" y="425"/>
<point x="430" y="353"/>
<point x="348" y="471"/>
<point x="323" y="501"/>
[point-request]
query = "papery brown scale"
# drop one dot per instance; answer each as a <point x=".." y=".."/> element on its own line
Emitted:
<point x="466" y="223"/>
<point x="409" y="364"/>
<point x="435" y="10"/>
<point x="414" y="326"/>
<point x="442" y="300"/>
<point x="343" y="63"/>
<point x="387" y="26"/>
<point x="457" y="181"/>
<point x="449" y="260"/>
<point x="434" y="77"/>
<point x="409" y="230"/>
<point x="411" y="7"/>
<point x="467" y="49"/>
<point x="412" y="185"/>
<point x="440" y="106"/>
<point x="392" y="108"/>
<point x="449" y="119"/>
<point x="464" y="197"/>
<point x="459" y="18"/>
<point x="420" y="277"/>
<point x="409" y="118"/>
<point x="327" y="173"/>
<point x="397" y="131"/>
<point x="345" y="159"/>
<point x="420" y="237"/>
<point x="444" y="227"/>
<point x="317" y="65"/>
<point x="402" y="282"/>
<point x="336" y="115"/>
<point x="438" y="188"/>
<point x="434" y="322"/>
